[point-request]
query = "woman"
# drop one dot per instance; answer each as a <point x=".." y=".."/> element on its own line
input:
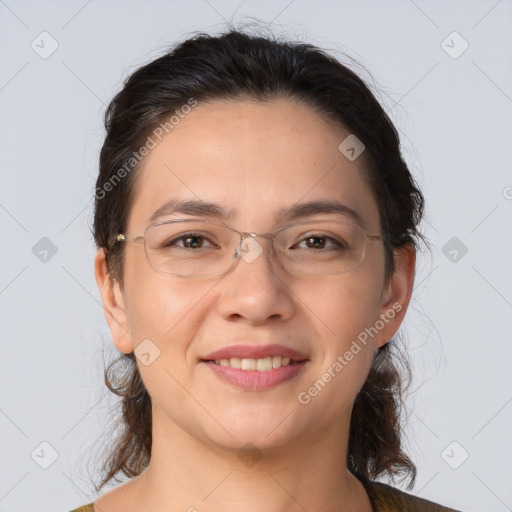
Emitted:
<point x="256" y="229"/>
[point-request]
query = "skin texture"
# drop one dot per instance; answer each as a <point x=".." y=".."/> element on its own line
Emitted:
<point x="255" y="158"/>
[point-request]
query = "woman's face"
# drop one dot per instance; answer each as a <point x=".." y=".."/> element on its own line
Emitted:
<point x="254" y="159"/>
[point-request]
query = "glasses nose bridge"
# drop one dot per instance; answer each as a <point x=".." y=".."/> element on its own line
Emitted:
<point x="249" y="234"/>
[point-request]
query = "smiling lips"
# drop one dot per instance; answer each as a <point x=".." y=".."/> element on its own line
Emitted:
<point x="263" y="365"/>
<point x="256" y="368"/>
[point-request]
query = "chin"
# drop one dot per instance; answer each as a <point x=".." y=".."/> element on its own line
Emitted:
<point x="265" y="426"/>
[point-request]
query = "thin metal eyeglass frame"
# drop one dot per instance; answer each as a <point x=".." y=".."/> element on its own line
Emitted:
<point x="121" y="237"/>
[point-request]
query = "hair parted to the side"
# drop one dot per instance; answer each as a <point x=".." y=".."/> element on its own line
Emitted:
<point x="237" y="65"/>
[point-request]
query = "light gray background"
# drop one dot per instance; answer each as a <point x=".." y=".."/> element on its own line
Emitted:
<point x="454" y="115"/>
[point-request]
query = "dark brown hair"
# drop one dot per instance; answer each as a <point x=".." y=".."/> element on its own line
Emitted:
<point x="236" y="65"/>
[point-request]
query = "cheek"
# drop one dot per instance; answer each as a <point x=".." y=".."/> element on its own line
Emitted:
<point x="165" y="312"/>
<point x="340" y="375"/>
<point x="159" y="307"/>
<point x="346" y="310"/>
<point x="165" y="316"/>
<point x="346" y="306"/>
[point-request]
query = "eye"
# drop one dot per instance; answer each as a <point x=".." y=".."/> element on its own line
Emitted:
<point x="189" y="241"/>
<point x="318" y="241"/>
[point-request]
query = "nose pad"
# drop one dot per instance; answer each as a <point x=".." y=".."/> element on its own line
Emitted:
<point x="236" y="255"/>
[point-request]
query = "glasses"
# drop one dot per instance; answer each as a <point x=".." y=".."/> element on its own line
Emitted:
<point x="201" y="248"/>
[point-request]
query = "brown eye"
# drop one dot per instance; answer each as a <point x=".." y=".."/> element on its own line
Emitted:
<point x="322" y="242"/>
<point x="188" y="241"/>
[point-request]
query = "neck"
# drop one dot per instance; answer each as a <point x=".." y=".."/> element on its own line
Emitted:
<point x="303" y="474"/>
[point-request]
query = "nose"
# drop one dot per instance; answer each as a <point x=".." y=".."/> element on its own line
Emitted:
<point x="256" y="289"/>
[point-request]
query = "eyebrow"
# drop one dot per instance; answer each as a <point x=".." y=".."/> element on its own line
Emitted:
<point x="191" y="207"/>
<point x="211" y="210"/>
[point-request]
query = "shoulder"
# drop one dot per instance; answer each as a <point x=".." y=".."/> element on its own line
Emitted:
<point x="385" y="498"/>
<point x="84" y="508"/>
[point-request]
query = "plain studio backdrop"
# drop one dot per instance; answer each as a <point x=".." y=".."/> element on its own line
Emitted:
<point x="444" y="74"/>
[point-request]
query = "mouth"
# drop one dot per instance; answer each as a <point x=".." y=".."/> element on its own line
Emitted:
<point x="264" y="364"/>
<point x="256" y="368"/>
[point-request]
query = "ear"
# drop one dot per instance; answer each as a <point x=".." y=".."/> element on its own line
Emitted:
<point x="113" y="305"/>
<point x="397" y="294"/>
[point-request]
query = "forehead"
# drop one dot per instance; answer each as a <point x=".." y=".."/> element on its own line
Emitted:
<point x="253" y="158"/>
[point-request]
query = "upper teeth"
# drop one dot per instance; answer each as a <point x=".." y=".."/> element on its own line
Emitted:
<point x="264" y="364"/>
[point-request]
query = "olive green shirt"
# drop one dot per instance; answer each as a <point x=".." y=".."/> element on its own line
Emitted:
<point x="383" y="498"/>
